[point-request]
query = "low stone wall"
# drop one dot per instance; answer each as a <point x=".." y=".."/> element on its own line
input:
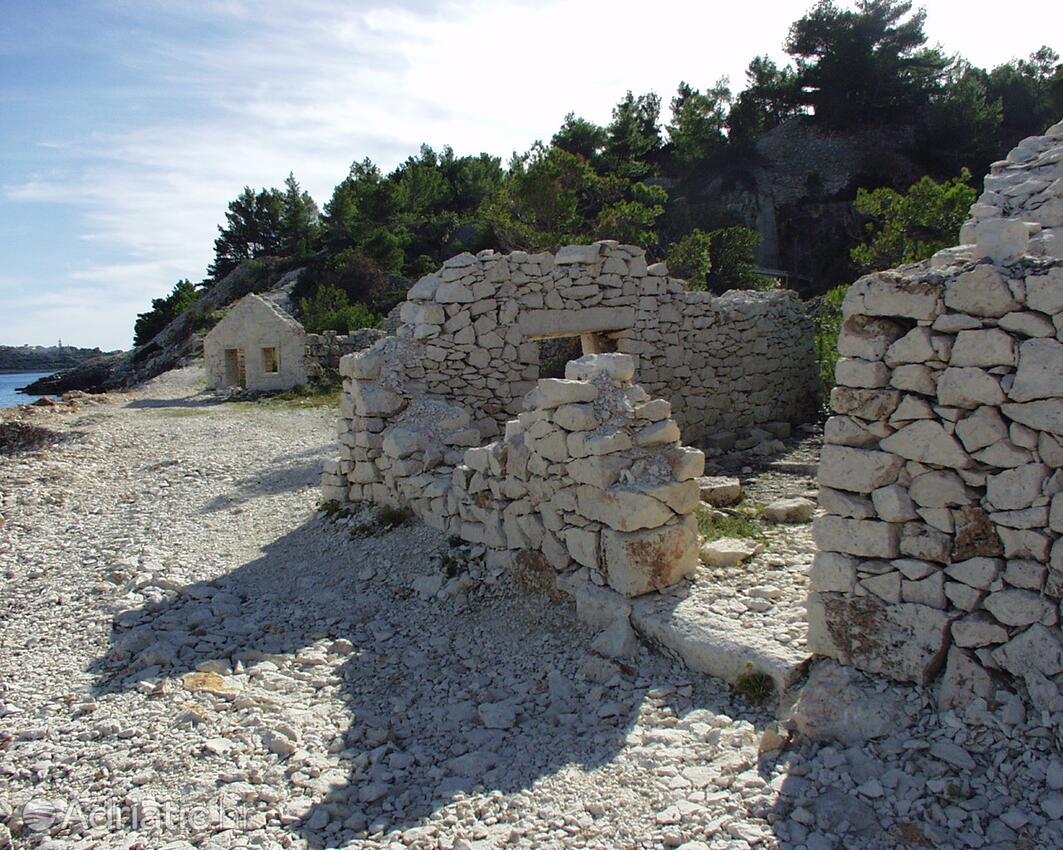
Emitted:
<point x="942" y="472"/>
<point x="323" y="351"/>
<point x="590" y="473"/>
<point x="723" y="362"/>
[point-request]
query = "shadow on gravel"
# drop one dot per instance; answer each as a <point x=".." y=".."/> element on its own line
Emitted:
<point x="281" y="474"/>
<point x="425" y="686"/>
<point x="184" y="402"/>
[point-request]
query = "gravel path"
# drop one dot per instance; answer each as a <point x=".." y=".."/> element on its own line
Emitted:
<point x="191" y="656"/>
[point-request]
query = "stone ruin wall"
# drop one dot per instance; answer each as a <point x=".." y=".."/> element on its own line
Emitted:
<point x="324" y="350"/>
<point x="590" y="474"/>
<point x="586" y="472"/>
<point x="732" y="361"/>
<point x="941" y="556"/>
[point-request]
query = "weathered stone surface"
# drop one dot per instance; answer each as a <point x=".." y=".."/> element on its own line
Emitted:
<point x="857" y="470"/>
<point x="1044" y="415"/>
<point x="867" y="538"/>
<point x="576" y="417"/>
<point x="642" y="561"/>
<point x="720" y="491"/>
<point x="938" y="489"/>
<point x="992" y="347"/>
<point x="727" y="551"/>
<point x="978" y="629"/>
<point x="374" y="400"/>
<point x="963" y="681"/>
<point x="916" y="346"/>
<point x="879" y="295"/>
<point x="982" y="428"/>
<point x="976" y="535"/>
<point x="968" y="388"/>
<point x="980" y="292"/>
<point x="872" y="405"/>
<point x="976" y="572"/>
<point x="623" y="510"/>
<point x="552" y="323"/>
<point x="927" y="442"/>
<point x="619" y="367"/>
<point x="1018" y="488"/>
<point x="918" y="540"/>
<point x="837" y="703"/>
<point x="1014" y="607"/>
<point x="853" y="372"/>
<point x="845" y="504"/>
<point x="1040" y="372"/>
<point x="554" y="392"/>
<point x="832" y="572"/>
<point x="793" y="510"/>
<point x="657" y="434"/>
<point x="893" y="504"/>
<point x="1038" y="648"/>
<point x="1000" y="239"/>
<point x="1044" y="292"/>
<point x="867" y="338"/>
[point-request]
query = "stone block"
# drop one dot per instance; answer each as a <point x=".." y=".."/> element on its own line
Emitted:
<point x="639" y="562"/>
<point x="720" y="491"/>
<point x="619" y="367"/>
<point x="857" y="470"/>
<point x="968" y="387"/>
<point x="554" y="392"/>
<point x="980" y="292"/>
<point x="992" y="347"/>
<point x="927" y="441"/>
<point x="833" y="572"/>
<point x="1040" y="372"/>
<point x="623" y="510"/>
<point x="554" y="323"/>
<point x="866" y="538"/>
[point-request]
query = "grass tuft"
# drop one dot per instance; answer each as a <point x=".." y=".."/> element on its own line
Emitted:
<point x="755" y="687"/>
<point x="741" y="522"/>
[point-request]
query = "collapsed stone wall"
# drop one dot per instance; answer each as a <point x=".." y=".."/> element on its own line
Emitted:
<point x="942" y="471"/>
<point x="324" y="350"/>
<point x="590" y="473"/>
<point x="723" y="362"/>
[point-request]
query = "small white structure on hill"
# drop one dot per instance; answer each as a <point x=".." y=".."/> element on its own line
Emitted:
<point x="256" y="346"/>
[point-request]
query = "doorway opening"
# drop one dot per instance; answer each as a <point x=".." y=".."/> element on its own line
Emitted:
<point x="235" y="368"/>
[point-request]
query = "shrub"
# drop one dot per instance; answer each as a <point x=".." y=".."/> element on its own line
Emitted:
<point x="828" y="320"/>
<point x="756" y="687"/>
<point x="330" y="310"/>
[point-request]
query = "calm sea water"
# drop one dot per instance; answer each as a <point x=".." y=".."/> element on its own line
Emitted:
<point x="10" y="380"/>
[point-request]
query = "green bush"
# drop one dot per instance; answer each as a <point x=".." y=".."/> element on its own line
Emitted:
<point x="828" y="322"/>
<point x="330" y="310"/>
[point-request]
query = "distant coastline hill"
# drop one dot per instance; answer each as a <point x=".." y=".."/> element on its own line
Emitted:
<point x="43" y="358"/>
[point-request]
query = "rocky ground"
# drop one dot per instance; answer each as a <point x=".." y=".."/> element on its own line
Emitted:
<point x="192" y="656"/>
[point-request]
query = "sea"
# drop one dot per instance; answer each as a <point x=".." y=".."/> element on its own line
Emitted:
<point x="10" y="380"/>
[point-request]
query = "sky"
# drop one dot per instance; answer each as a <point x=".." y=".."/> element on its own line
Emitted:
<point x="126" y="126"/>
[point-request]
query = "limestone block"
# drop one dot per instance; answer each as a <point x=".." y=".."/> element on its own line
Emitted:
<point x="1025" y="574"/>
<point x="879" y="295"/>
<point x="968" y="388"/>
<point x="927" y="441"/>
<point x="554" y="392"/>
<point x="1015" y="607"/>
<point x="963" y="596"/>
<point x="560" y="322"/>
<point x="619" y="367"/>
<point x="845" y="504"/>
<point x="867" y="538"/>
<point x="643" y="561"/>
<point x="1000" y="239"/>
<point x="686" y="463"/>
<point x="853" y="372"/>
<point x="886" y="586"/>
<point x="1045" y="415"/>
<point x="577" y="254"/>
<point x="1038" y="648"/>
<point x="1044" y="292"/>
<point x="857" y="470"/>
<point x="938" y="489"/>
<point x="576" y="417"/>
<point x="919" y="540"/>
<point x="1027" y="323"/>
<point x="1004" y="455"/>
<point x="375" y="400"/>
<point x="904" y="641"/>
<point x="963" y="681"/>
<point x="620" y="509"/>
<point x="654" y="410"/>
<point x="1040" y="372"/>
<point x="981" y="292"/>
<point x="833" y="572"/>
<point x="982" y="428"/>
<point x="425" y="288"/>
<point x="453" y="292"/>
<point x="991" y="347"/>
<point x="1018" y="488"/>
<point x="402" y="442"/>
<point x="661" y="433"/>
<point x="680" y="496"/>
<point x="727" y="551"/>
<point x="867" y="338"/>
<point x="978" y="629"/>
<point x="582" y="546"/>
<point x="846" y="431"/>
<point x="864" y="404"/>
<point x="915" y="378"/>
<point x="893" y="504"/>
<point x="720" y="491"/>
<point x="791" y="510"/>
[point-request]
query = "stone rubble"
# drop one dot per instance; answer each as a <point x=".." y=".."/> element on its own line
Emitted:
<point x="179" y="627"/>
<point x="941" y="550"/>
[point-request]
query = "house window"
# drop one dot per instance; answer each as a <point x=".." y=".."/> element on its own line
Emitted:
<point x="270" y="363"/>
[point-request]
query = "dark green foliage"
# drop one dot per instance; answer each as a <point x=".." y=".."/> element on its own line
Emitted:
<point x="580" y="137"/>
<point x="163" y="311"/>
<point x="300" y="221"/>
<point x="828" y="321"/>
<point x="698" y="121"/>
<point x="733" y="254"/>
<point x="330" y="310"/>
<point x="909" y="227"/>
<point x="252" y="229"/>
<point x="868" y="65"/>
<point x="634" y="136"/>
<point x="755" y="687"/>
<point x="769" y="98"/>
<point x="691" y="259"/>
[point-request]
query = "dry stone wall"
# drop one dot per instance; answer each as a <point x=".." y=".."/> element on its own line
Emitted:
<point x="732" y="361"/>
<point x="589" y="474"/>
<point x="324" y="350"/>
<point x="942" y="469"/>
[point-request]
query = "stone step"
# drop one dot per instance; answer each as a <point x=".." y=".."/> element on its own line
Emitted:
<point x="689" y="622"/>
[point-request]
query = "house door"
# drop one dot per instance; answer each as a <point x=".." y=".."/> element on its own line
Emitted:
<point x="235" y="368"/>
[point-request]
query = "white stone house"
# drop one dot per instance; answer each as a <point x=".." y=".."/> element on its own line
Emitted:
<point x="256" y="346"/>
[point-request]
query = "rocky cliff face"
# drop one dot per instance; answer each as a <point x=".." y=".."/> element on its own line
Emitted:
<point x="795" y="188"/>
<point x="175" y="344"/>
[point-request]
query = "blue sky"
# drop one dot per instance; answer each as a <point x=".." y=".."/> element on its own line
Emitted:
<point x="126" y="126"/>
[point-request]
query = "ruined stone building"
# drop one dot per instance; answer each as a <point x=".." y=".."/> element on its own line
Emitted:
<point x="454" y="419"/>
<point x="942" y="474"/>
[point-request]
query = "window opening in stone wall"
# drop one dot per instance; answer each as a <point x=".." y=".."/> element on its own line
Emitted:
<point x="270" y="363"/>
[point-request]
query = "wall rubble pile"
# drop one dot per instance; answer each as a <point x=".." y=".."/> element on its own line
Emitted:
<point x="942" y="474"/>
<point x="590" y="474"/>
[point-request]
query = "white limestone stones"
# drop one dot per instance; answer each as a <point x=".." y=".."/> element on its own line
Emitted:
<point x="940" y="475"/>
